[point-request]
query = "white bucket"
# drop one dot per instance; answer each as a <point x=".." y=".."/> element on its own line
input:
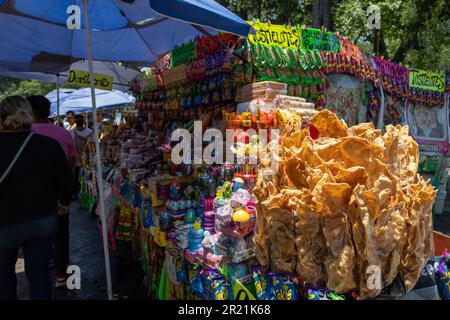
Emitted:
<point x="439" y="202"/>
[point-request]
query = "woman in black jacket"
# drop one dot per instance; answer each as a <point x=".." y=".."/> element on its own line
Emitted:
<point x="35" y="185"/>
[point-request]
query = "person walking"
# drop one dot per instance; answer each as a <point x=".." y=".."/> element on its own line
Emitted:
<point x="41" y="111"/>
<point x="35" y="185"/>
<point x="82" y="136"/>
<point x="69" y="124"/>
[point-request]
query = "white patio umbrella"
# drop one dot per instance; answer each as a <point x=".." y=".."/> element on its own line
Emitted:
<point x="80" y="101"/>
<point x="122" y="76"/>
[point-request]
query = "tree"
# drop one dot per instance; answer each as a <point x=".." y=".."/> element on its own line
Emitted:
<point x="321" y="14"/>
<point x="413" y="32"/>
<point x="12" y="86"/>
<point x="275" y="11"/>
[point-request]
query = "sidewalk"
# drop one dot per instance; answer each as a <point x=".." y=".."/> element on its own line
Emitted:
<point x="86" y="251"/>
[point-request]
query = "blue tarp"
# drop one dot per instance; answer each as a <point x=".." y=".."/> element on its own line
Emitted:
<point x="34" y="35"/>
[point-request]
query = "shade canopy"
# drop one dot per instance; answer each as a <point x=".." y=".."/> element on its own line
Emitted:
<point x="34" y="35"/>
<point x="122" y="76"/>
<point x="80" y="100"/>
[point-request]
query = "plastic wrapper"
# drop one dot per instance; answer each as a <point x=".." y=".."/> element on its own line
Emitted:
<point x="266" y="90"/>
<point x="284" y="102"/>
<point x="281" y="219"/>
<point x="284" y="288"/>
<point x="340" y="260"/>
<point x="310" y="242"/>
<point x="254" y="106"/>
<point x="263" y="285"/>
<point x="419" y="242"/>
<point x="343" y="201"/>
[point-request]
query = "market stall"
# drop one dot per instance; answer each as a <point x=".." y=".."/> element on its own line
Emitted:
<point x="343" y="199"/>
<point x="77" y="31"/>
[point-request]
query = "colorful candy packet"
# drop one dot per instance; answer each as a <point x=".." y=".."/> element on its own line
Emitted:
<point x="284" y="288"/>
<point x="263" y="285"/>
<point x="195" y="279"/>
<point x="443" y="277"/>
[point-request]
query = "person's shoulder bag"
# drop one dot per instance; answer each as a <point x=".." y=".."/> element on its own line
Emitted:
<point x="14" y="160"/>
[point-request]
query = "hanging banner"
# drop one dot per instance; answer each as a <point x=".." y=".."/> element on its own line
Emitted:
<point x="206" y="46"/>
<point x="79" y="77"/>
<point x="427" y="80"/>
<point x="275" y="35"/>
<point x="183" y="54"/>
<point x="316" y="39"/>
<point x="388" y="69"/>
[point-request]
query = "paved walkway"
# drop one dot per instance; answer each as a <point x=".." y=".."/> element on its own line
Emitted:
<point x="86" y="251"/>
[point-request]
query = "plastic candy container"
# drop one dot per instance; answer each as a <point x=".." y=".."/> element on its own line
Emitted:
<point x="241" y="216"/>
<point x="195" y="238"/>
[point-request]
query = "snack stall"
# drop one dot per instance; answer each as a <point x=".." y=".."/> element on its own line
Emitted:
<point x="247" y="230"/>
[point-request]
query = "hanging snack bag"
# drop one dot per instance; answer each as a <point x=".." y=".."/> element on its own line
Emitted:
<point x="195" y="279"/>
<point x="284" y="288"/>
<point x="263" y="285"/>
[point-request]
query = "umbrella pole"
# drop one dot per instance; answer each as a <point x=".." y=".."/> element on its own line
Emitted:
<point x="381" y="114"/>
<point x="57" y="100"/>
<point x="98" y="154"/>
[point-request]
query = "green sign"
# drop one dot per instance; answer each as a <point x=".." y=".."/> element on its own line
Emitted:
<point x="183" y="53"/>
<point x="427" y="80"/>
<point x="101" y="81"/>
<point x="316" y="39"/>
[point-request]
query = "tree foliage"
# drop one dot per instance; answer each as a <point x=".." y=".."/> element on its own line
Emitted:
<point x="413" y="32"/>
<point x="11" y="87"/>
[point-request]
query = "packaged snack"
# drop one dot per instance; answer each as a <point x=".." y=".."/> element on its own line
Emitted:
<point x="284" y="288"/>
<point x="443" y="276"/>
<point x="263" y="285"/>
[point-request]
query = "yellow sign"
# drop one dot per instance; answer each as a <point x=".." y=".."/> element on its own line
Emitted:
<point x="276" y="35"/>
<point x="101" y="81"/>
<point x="427" y="80"/>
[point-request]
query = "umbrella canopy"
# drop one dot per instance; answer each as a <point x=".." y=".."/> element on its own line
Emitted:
<point x="80" y="100"/>
<point x="122" y="76"/>
<point x="52" y="96"/>
<point x="136" y="31"/>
